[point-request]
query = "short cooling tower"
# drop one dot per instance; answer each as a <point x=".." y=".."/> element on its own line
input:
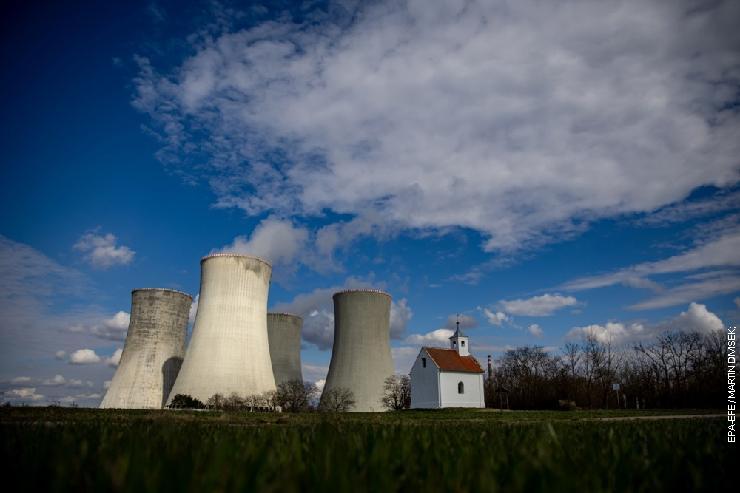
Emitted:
<point x="229" y="350"/>
<point x="361" y="355"/>
<point x="153" y="351"/>
<point x="284" y="331"/>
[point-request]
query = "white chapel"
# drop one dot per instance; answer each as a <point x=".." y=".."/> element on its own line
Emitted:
<point x="447" y="377"/>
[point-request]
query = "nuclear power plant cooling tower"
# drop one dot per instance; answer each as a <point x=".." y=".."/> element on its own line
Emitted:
<point x="153" y="351"/>
<point x="361" y="355"/>
<point x="229" y="350"/>
<point x="284" y="331"/>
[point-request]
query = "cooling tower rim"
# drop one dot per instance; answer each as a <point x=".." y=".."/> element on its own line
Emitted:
<point x="285" y="314"/>
<point x="163" y="289"/>
<point x="236" y="255"/>
<point x="361" y="290"/>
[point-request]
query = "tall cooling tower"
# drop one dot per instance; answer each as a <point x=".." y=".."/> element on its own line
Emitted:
<point x="229" y="350"/>
<point x="153" y="351"/>
<point x="361" y="355"/>
<point x="284" y="331"/>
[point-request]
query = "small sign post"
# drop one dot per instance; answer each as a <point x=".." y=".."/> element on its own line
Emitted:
<point x="615" y="388"/>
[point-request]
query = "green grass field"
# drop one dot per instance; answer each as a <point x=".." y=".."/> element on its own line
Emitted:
<point x="56" y="449"/>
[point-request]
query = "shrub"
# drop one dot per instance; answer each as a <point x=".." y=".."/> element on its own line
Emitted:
<point x="184" y="401"/>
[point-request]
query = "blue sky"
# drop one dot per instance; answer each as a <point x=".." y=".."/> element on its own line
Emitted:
<point x="546" y="171"/>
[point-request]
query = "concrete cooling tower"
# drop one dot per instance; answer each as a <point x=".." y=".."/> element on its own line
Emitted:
<point x="361" y="355"/>
<point x="153" y="351"/>
<point x="284" y="331"/>
<point x="229" y="350"/>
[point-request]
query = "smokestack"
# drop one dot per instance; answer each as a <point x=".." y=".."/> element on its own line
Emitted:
<point x="229" y="350"/>
<point x="284" y="332"/>
<point x="153" y="351"/>
<point x="361" y="354"/>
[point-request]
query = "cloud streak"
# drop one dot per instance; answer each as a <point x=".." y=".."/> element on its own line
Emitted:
<point x="102" y="251"/>
<point x="537" y="306"/>
<point x="715" y="261"/>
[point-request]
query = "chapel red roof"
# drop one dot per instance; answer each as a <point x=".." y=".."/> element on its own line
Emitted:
<point x="450" y="360"/>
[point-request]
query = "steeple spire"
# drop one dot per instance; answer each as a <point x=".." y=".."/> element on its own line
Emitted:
<point x="458" y="340"/>
<point x="458" y="332"/>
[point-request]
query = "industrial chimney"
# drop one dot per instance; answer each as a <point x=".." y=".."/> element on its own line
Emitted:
<point x="361" y="355"/>
<point x="284" y="331"/>
<point x="153" y="351"/>
<point x="229" y="350"/>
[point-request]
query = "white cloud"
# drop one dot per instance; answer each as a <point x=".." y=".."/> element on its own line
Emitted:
<point x="400" y="315"/>
<point x="495" y="318"/>
<point x="101" y="250"/>
<point x="537" y="306"/>
<point x="434" y="338"/>
<point x="18" y="380"/>
<point x="115" y="358"/>
<point x="320" y="384"/>
<point x="609" y="333"/>
<point x="522" y="121"/>
<point x="317" y="310"/>
<point x="56" y="380"/>
<point x="737" y="301"/>
<point x="24" y="394"/>
<point x="84" y="357"/>
<point x="697" y="318"/>
<point x="61" y="355"/>
<point x="535" y="330"/>
<point x="106" y="384"/>
<point x="276" y="240"/>
<point x="112" y="328"/>
<point x="119" y="321"/>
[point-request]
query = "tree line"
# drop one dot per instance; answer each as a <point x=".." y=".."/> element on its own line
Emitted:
<point x="296" y="396"/>
<point x="292" y="396"/>
<point x="675" y="369"/>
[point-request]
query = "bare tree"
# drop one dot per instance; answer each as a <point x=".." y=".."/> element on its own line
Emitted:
<point x="397" y="392"/>
<point x="216" y="401"/>
<point x="338" y="399"/>
<point x="295" y="396"/>
<point x="571" y="357"/>
<point x="593" y="360"/>
<point x="529" y="373"/>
